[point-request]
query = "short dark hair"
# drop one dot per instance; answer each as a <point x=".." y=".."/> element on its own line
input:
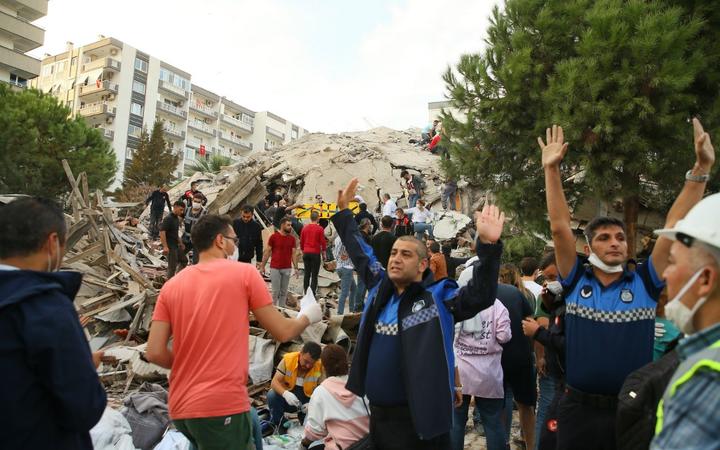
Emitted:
<point x="194" y="183"/>
<point x="248" y="209"/>
<point x="363" y="206"/>
<point x="197" y="195"/>
<point x="547" y="260"/>
<point x="284" y="220"/>
<point x="386" y="221"/>
<point x="404" y="172"/>
<point x="26" y="223"/>
<point x="313" y="349"/>
<point x="421" y="247"/>
<point x="446" y="250"/>
<point x="528" y="266"/>
<point x="179" y="203"/>
<point x="399" y="210"/>
<point x="434" y="247"/>
<point x="205" y="230"/>
<point x="600" y="222"/>
<point x="314" y="216"/>
<point x="334" y="360"/>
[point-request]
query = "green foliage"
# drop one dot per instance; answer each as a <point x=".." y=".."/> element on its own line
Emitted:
<point x="518" y="246"/>
<point x="213" y="164"/>
<point x="36" y="134"/>
<point x="153" y="162"/>
<point x="621" y="76"/>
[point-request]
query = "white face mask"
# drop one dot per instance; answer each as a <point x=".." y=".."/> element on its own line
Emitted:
<point x="678" y="313"/>
<point x="554" y="287"/>
<point x="595" y="261"/>
<point x="196" y="205"/>
<point x="58" y="259"/>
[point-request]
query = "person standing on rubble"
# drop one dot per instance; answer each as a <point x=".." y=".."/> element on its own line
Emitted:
<point x="403" y="358"/>
<point x="365" y="214"/>
<point x="313" y="247"/>
<point x="249" y="234"/>
<point x="281" y="251"/>
<point x="389" y="206"/>
<point x="190" y="194"/>
<point x="51" y="393"/>
<point x="157" y="201"/>
<point x="192" y="215"/>
<point x="415" y="186"/>
<point x="209" y="401"/>
<point x="173" y="248"/>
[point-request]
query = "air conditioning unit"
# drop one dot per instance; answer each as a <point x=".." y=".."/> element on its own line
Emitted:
<point x="109" y="120"/>
<point x="111" y="97"/>
<point x="113" y="51"/>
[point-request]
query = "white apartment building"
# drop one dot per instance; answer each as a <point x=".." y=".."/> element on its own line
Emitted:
<point x="19" y="36"/>
<point x="274" y="131"/>
<point x="121" y="90"/>
<point x="435" y="108"/>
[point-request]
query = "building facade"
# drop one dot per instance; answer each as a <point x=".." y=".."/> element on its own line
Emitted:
<point x="122" y="90"/>
<point x="436" y="108"/>
<point x="19" y="36"/>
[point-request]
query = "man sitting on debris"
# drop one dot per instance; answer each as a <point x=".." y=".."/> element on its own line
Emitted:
<point x="403" y="358"/>
<point x="403" y="224"/>
<point x="389" y="206"/>
<point x="383" y="241"/>
<point x="51" y="393"/>
<point x="421" y="219"/>
<point x="283" y="257"/>
<point x="157" y="201"/>
<point x="249" y="234"/>
<point x="335" y="414"/>
<point x="173" y="249"/>
<point x="206" y="309"/>
<point x="295" y="380"/>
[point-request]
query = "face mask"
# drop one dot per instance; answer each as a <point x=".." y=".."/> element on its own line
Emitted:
<point x="58" y="259"/>
<point x="595" y="261"/>
<point x="554" y="287"/>
<point x="678" y="313"/>
<point x="196" y="205"/>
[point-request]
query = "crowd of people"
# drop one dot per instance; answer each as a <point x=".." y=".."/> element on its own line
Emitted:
<point x="593" y="352"/>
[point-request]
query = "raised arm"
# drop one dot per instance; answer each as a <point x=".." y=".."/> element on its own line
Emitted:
<point x="361" y="254"/>
<point x="558" y="211"/>
<point x="692" y="192"/>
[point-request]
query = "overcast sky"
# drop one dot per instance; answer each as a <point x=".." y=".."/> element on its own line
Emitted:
<point x="327" y="65"/>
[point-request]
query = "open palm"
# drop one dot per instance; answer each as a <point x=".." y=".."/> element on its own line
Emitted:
<point x="555" y="149"/>
<point x="489" y="224"/>
<point x="704" y="150"/>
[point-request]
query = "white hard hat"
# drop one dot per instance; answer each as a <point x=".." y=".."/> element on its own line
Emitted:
<point x="701" y="224"/>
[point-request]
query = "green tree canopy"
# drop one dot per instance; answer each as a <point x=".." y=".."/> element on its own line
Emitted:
<point x="153" y="163"/>
<point x="621" y="76"/>
<point x="36" y="134"/>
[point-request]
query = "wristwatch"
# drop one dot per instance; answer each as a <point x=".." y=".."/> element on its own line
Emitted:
<point x="697" y="178"/>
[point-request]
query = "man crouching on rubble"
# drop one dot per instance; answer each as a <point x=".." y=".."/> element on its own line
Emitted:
<point x="205" y="308"/>
<point x="404" y="359"/>
<point x="50" y="392"/>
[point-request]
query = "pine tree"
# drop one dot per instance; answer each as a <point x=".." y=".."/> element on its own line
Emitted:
<point x="616" y="74"/>
<point x="153" y="162"/>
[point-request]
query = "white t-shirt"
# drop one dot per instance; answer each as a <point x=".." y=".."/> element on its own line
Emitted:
<point x="418" y="216"/>
<point x="533" y="287"/>
<point x="389" y="208"/>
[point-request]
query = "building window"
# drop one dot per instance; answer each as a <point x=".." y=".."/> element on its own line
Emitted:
<point x="136" y="108"/>
<point x="174" y="79"/>
<point x="47" y="70"/>
<point x="134" y="131"/>
<point x="247" y="119"/>
<point x="293" y="134"/>
<point x="60" y="67"/>
<point x="138" y="87"/>
<point x="18" y="81"/>
<point x="141" y="65"/>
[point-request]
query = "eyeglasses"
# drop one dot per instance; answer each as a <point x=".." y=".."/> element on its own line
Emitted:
<point x="234" y="239"/>
<point x="686" y="240"/>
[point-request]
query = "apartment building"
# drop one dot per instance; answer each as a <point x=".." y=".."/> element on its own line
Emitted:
<point x="435" y="108"/>
<point x="19" y="36"/>
<point x="274" y="131"/>
<point x="121" y="90"/>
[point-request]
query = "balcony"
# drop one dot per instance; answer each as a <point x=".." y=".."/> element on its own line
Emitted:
<point x="23" y="35"/>
<point x="236" y="141"/>
<point x="102" y="63"/>
<point x="171" y="109"/>
<point x="107" y="133"/>
<point x="172" y="89"/>
<point x="103" y="87"/>
<point x="174" y="133"/>
<point x="239" y="124"/>
<point x="97" y="108"/>
<point x="201" y="126"/>
<point x="205" y="110"/>
<point x="273" y="132"/>
<point x="19" y="63"/>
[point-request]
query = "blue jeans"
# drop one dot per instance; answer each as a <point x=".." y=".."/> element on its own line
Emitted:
<point x="547" y="393"/>
<point x="420" y="229"/>
<point x="359" y="295"/>
<point x="278" y="406"/>
<point x="508" y="409"/>
<point x="490" y="410"/>
<point x="347" y="288"/>
<point x="412" y="200"/>
<point x="256" y="430"/>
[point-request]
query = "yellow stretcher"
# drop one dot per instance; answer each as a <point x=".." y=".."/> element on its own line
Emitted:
<point x="326" y="210"/>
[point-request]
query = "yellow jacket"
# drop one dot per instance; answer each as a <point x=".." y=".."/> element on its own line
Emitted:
<point x="312" y="377"/>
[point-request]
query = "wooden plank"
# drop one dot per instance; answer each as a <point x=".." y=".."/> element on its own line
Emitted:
<point x="135" y="275"/>
<point x="95" y="248"/>
<point x="76" y="192"/>
<point x="114" y="307"/>
<point x="136" y="320"/>
<point x="91" y="302"/>
<point x="85" y="188"/>
<point x="77" y="232"/>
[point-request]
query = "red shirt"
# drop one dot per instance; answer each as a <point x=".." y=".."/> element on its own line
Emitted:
<point x="312" y="239"/>
<point x="282" y="250"/>
<point x="435" y="141"/>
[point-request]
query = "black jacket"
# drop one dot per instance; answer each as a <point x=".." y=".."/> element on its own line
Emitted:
<point x="366" y="215"/>
<point x="553" y="339"/>
<point x="426" y="317"/>
<point x="50" y="391"/>
<point x="249" y="239"/>
<point x="382" y="246"/>
<point x="157" y="201"/>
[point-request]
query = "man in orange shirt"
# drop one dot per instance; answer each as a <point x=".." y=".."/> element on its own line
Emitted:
<point x="438" y="265"/>
<point x="205" y="308"/>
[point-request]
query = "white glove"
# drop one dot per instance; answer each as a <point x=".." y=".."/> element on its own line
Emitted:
<point x="291" y="399"/>
<point x="659" y="330"/>
<point x="310" y="308"/>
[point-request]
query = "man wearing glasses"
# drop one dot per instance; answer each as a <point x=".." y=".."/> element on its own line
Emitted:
<point x="610" y="311"/>
<point x="206" y="309"/>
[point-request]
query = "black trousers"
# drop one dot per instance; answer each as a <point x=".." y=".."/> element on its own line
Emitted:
<point x="391" y="428"/>
<point x="584" y="425"/>
<point x="548" y="432"/>
<point x="312" y="269"/>
<point x="155" y="218"/>
<point x="176" y="261"/>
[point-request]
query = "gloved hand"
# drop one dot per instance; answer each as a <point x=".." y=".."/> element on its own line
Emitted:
<point x="292" y="399"/>
<point x="310" y="308"/>
<point x="659" y="330"/>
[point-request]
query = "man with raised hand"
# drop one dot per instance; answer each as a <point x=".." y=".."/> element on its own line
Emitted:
<point x="404" y="360"/>
<point x="610" y="310"/>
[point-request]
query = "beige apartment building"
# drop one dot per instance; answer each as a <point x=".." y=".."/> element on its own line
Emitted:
<point x="121" y="90"/>
<point x="19" y="36"/>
